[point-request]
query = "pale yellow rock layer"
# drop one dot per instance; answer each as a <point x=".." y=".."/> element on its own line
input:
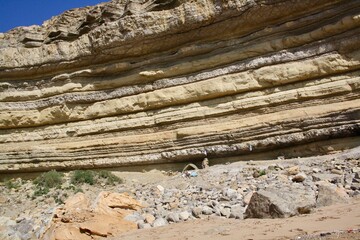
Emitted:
<point x="218" y="128"/>
<point x="193" y="111"/>
<point x="212" y="88"/>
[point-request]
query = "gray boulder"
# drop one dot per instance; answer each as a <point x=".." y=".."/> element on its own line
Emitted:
<point x="134" y="217"/>
<point x="173" y="217"/>
<point x="231" y="193"/>
<point x="281" y="201"/>
<point x="236" y="211"/>
<point x="159" y="222"/>
<point x="329" y="194"/>
<point x="142" y="225"/>
<point x="225" y="211"/>
<point x="184" y="215"/>
<point x="206" y="210"/>
<point x="197" y="211"/>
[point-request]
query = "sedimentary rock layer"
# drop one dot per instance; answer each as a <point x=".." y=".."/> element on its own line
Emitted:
<point x="121" y="84"/>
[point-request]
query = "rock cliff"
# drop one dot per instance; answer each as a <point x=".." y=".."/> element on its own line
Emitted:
<point x="133" y="82"/>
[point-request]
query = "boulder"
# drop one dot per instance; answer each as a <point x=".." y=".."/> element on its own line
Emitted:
<point x="143" y="225"/>
<point x="135" y="217"/>
<point x="197" y="211"/>
<point x="159" y="222"/>
<point x="329" y="194"/>
<point x="236" y="211"/>
<point x="173" y="217"/>
<point x="81" y="218"/>
<point x="78" y="201"/>
<point x="6" y="228"/>
<point x="107" y="201"/>
<point x="149" y="218"/>
<point x="231" y="193"/>
<point x="184" y="215"/>
<point x="206" y="210"/>
<point x="281" y="201"/>
<point x="225" y="211"/>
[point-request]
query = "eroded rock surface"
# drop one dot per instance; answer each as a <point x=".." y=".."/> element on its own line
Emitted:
<point x="79" y="218"/>
<point x="139" y="82"/>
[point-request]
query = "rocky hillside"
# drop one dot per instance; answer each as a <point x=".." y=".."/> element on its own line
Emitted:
<point x="143" y="82"/>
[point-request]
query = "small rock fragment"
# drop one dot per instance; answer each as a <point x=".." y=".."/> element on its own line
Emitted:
<point x="143" y="225"/>
<point x="293" y="170"/>
<point x="160" y="188"/>
<point x="336" y="171"/>
<point x="159" y="222"/>
<point x="300" y="177"/>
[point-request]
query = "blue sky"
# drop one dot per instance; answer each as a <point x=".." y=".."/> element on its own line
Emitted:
<point x="14" y="13"/>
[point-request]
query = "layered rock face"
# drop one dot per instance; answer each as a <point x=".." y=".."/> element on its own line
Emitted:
<point x="127" y="83"/>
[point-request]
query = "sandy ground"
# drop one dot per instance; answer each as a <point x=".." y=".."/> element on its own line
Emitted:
<point x="324" y="220"/>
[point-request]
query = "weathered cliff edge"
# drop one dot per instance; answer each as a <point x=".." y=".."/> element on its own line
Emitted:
<point x="118" y="85"/>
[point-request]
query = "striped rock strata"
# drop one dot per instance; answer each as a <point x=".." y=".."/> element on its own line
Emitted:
<point x="106" y="86"/>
